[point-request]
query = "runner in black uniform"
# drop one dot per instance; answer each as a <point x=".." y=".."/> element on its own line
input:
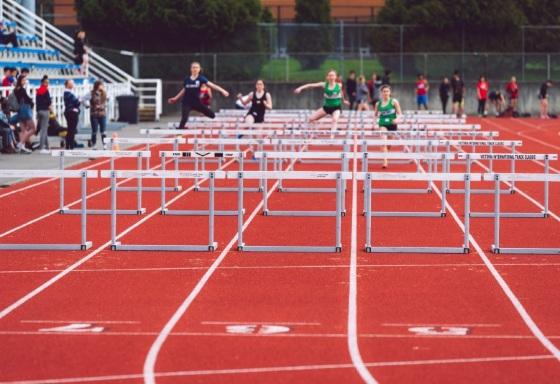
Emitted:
<point x="191" y="95"/>
<point x="260" y="101"/>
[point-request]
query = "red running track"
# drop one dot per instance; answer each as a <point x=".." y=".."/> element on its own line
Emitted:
<point x="228" y="317"/>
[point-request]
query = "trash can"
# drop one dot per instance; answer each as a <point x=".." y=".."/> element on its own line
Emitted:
<point x="128" y="108"/>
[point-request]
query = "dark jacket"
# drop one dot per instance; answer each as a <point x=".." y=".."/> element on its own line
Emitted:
<point x="71" y="102"/>
<point x="23" y="97"/>
<point x="43" y="99"/>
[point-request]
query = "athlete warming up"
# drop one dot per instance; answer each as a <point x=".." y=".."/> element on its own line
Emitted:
<point x="333" y="98"/>
<point x="260" y="101"/>
<point x="190" y="94"/>
<point x="389" y="111"/>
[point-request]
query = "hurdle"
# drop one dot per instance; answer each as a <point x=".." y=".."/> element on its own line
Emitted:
<point x="148" y="141"/>
<point x="431" y="157"/>
<point x="516" y="157"/>
<point x="112" y="155"/>
<point x="118" y="246"/>
<point x="511" y="144"/>
<point x="443" y="177"/>
<point x="338" y="177"/>
<point x="83" y="175"/>
<point x="510" y="177"/>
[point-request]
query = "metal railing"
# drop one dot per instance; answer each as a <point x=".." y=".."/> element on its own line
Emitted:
<point x="148" y="90"/>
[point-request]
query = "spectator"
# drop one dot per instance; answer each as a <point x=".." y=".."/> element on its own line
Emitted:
<point x="80" y="51"/>
<point x="43" y="102"/>
<point x="422" y="88"/>
<point x="498" y="101"/>
<point x="24" y="72"/>
<point x="71" y="113"/>
<point x="482" y="95"/>
<point x="543" y="97"/>
<point x="444" y="89"/>
<point x="98" y="114"/>
<point x="351" y="88"/>
<point x="6" y="130"/>
<point x="362" y="94"/>
<point x="24" y="114"/>
<point x="8" y="80"/>
<point x="373" y="86"/>
<point x="512" y="90"/>
<point x="386" y="79"/>
<point x="7" y="36"/>
<point x="205" y="95"/>
<point x="458" y="87"/>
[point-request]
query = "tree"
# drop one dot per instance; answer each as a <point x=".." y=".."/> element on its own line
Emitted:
<point x="310" y="41"/>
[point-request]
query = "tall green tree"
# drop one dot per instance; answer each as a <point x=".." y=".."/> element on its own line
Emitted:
<point x="313" y="38"/>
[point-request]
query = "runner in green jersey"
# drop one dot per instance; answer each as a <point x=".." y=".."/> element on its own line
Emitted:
<point x="333" y="98"/>
<point x="388" y="110"/>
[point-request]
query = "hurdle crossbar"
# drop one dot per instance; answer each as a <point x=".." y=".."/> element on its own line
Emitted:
<point x="83" y="175"/>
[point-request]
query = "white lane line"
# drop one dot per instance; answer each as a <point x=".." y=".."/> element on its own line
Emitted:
<point x="527" y="319"/>
<point x="151" y="358"/>
<point x="526" y="136"/>
<point x="78" y="321"/>
<point x="353" y="346"/>
<point x="281" y="335"/>
<point x="257" y="322"/>
<point x="264" y="267"/>
<point x="294" y="368"/>
<point x="441" y="325"/>
<point x="6" y="311"/>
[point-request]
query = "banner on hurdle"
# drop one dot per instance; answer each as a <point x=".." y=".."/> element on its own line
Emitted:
<point x="338" y="177"/>
<point x="510" y="177"/>
<point x="211" y="213"/>
<point x="112" y="155"/>
<point x="391" y="176"/>
<point x="83" y="175"/>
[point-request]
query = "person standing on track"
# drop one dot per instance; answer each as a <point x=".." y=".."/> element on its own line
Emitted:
<point x="260" y="101"/>
<point x="351" y="88"/>
<point x="333" y="98"/>
<point x="482" y="95"/>
<point x="543" y="97"/>
<point x="444" y="89"/>
<point x="362" y="94"/>
<point x="190" y="94"/>
<point x="422" y="88"/>
<point x="458" y="87"/>
<point x="388" y="110"/>
<point x="512" y="90"/>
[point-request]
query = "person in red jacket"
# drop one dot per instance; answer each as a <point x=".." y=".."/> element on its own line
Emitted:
<point x="512" y="90"/>
<point x="422" y="88"/>
<point x="482" y="88"/>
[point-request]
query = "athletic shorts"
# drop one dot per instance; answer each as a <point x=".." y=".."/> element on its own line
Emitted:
<point x="457" y="98"/>
<point x="422" y="99"/>
<point x="331" y="110"/>
<point x="390" y="128"/>
<point x="257" y="117"/>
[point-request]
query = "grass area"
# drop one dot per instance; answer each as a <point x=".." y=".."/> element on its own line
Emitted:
<point x="290" y="69"/>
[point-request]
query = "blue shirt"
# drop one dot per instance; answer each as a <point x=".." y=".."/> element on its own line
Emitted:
<point x="192" y="89"/>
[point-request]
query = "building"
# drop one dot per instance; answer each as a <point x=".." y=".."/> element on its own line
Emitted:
<point x="347" y="10"/>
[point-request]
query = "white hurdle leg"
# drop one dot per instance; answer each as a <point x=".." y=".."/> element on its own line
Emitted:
<point x="467" y="211"/>
<point x="240" y="213"/>
<point x="496" y="245"/>
<point x="84" y="244"/>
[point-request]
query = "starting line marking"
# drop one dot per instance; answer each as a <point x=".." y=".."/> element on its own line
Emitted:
<point x="259" y="322"/>
<point x="253" y="329"/>
<point x="294" y="368"/>
<point x="75" y="328"/>
<point x="78" y="321"/>
<point x="440" y="331"/>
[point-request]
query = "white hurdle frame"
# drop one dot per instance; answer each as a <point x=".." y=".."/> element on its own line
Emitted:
<point x="515" y="157"/>
<point x="510" y="177"/>
<point x="83" y="175"/>
<point x="112" y="155"/>
<point x="391" y="176"/>
<point x="118" y="246"/>
<point x="198" y="155"/>
<point x="148" y="141"/>
<point x="338" y="177"/>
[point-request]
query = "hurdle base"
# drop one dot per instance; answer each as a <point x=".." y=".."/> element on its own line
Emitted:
<point x="453" y="250"/>
<point x="402" y="190"/>
<point x="511" y="214"/>
<point x="229" y="189"/>
<point x="46" y="247"/>
<point x="526" y="251"/>
<point x="480" y="191"/>
<point x="150" y="189"/>
<point x="306" y="190"/>
<point x="166" y="248"/>
<point x="406" y="214"/>
<point x="182" y="212"/>
<point x="288" y="249"/>
<point x="140" y="211"/>
<point x="301" y="213"/>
